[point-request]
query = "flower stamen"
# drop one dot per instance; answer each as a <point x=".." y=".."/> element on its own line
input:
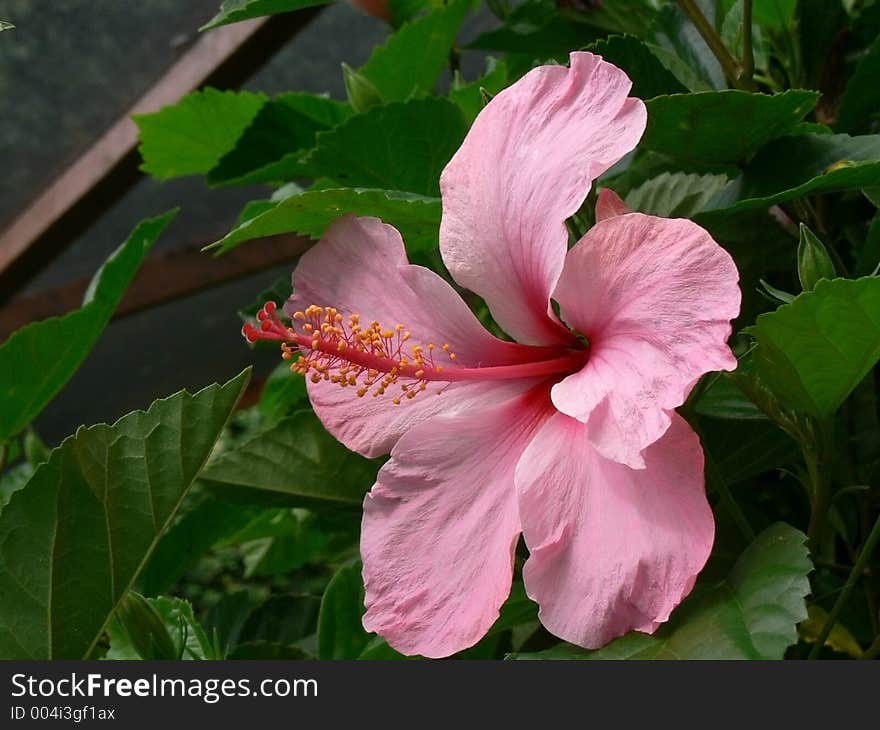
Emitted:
<point x="324" y="345"/>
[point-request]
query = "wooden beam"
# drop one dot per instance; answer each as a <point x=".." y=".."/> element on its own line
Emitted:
<point x="224" y="58"/>
<point x="162" y="278"/>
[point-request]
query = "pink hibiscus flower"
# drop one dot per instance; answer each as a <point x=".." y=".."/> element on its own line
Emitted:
<point x="567" y="436"/>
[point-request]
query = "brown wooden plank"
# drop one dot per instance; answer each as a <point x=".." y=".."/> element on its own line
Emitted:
<point x="162" y="278"/>
<point x="224" y="58"/>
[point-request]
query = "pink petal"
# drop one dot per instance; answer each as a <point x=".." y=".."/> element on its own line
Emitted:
<point x="525" y="167"/>
<point x="441" y="525"/>
<point x="655" y="298"/>
<point x="612" y="549"/>
<point x="610" y="204"/>
<point x="360" y="266"/>
<point x="371" y="426"/>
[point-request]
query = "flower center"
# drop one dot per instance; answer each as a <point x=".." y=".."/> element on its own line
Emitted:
<point x="325" y="345"/>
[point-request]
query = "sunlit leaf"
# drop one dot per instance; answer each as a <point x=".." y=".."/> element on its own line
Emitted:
<point x="234" y="11"/>
<point x="422" y="46"/>
<point x="192" y="136"/>
<point x="417" y="217"/>
<point x="270" y="148"/>
<point x="813" y="352"/>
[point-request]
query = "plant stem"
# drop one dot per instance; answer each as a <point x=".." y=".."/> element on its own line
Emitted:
<point x="720" y="485"/>
<point x="818" y="458"/>
<point x="748" y="61"/>
<point x="728" y="63"/>
<point x="4" y="454"/>
<point x="852" y="579"/>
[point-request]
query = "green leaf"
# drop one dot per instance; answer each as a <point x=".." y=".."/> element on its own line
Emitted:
<point x="682" y="47"/>
<point x="868" y="259"/>
<point x="819" y="23"/>
<point x="278" y="291"/>
<point x="282" y="395"/>
<point x="416" y="217"/>
<point x="207" y="522"/>
<point x="813" y="352"/>
<point x="814" y="163"/>
<point x="5" y="25"/>
<point x="675" y="195"/>
<point x="732" y="35"/>
<point x="340" y="632"/>
<point x="192" y="136"/>
<point x="776" y="14"/>
<point x="624" y="16"/>
<point x="400" y="146"/>
<point x="470" y="96"/>
<point x="282" y="619"/>
<point x="234" y="11"/>
<point x="12" y="480"/>
<point x="38" y="360"/>
<point x="271" y="147"/>
<point x="267" y="651"/>
<point x="753" y="614"/>
<point x="743" y="449"/>
<point x="421" y="47"/>
<point x="75" y="538"/>
<point x="279" y="541"/>
<point x="649" y="75"/>
<point x="537" y="31"/>
<point x="378" y="649"/>
<point x="724" y="400"/>
<point x="861" y="98"/>
<point x="295" y="463"/>
<point x="722" y="127"/>
<point x="177" y="622"/>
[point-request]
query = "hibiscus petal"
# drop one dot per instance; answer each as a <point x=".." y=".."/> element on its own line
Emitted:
<point x="612" y="549"/>
<point x="360" y="266"/>
<point x="371" y="426"/>
<point x="655" y="298"/>
<point x="526" y="166"/>
<point x="441" y="525"/>
<point x="610" y="204"/>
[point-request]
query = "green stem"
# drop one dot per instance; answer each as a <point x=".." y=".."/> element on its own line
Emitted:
<point x="852" y="579"/>
<point x="818" y="459"/>
<point x="748" y="61"/>
<point x="767" y="81"/>
<point x="729" y="64"/>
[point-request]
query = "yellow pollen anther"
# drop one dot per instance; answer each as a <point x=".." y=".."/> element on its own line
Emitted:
<point x="326" y="345"/>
